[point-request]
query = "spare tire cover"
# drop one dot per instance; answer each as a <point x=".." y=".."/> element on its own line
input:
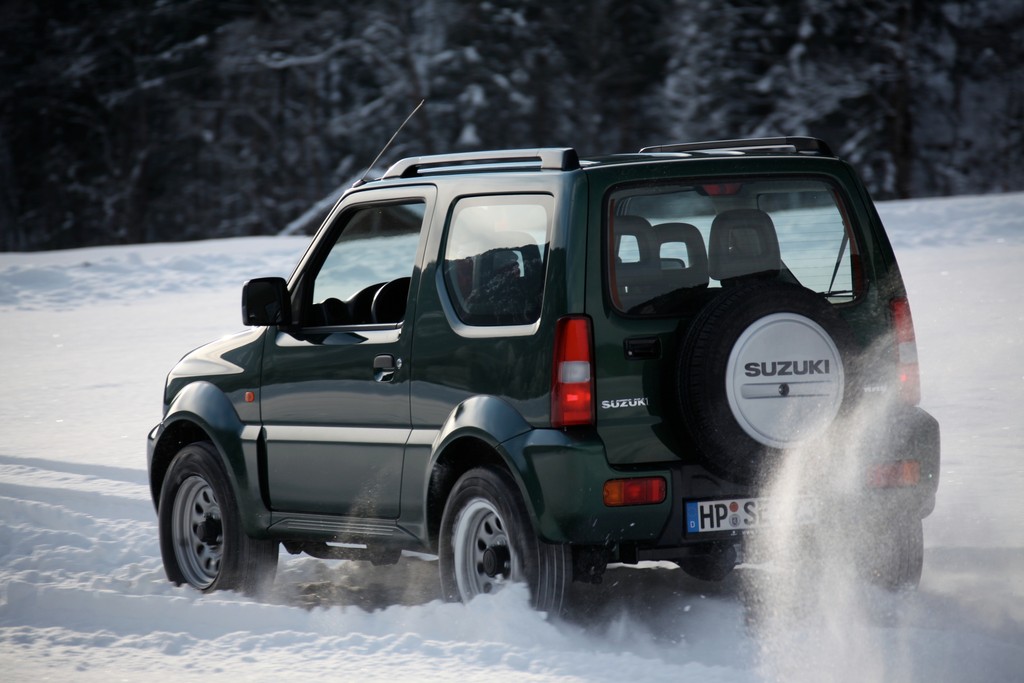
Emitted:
<point x="763" y="368"/>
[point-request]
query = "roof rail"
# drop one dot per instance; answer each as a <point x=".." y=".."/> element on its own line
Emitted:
<point x="795" y="144"/>
<point x="549" y="158"/>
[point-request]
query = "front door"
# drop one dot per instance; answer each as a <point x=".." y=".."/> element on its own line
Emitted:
<point x="335" y="390"/>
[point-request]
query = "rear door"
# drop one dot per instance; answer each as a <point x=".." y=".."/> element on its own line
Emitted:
<point x="335" y="390"/>
<point x="659" y="263"/>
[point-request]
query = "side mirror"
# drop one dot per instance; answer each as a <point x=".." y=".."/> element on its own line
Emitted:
<point x="265" y="301"/>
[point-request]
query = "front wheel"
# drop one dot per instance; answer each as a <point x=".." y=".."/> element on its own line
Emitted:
<point x="201" y="537"/>
<point x="488" y="542"/>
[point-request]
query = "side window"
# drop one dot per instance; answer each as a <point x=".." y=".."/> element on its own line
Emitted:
<point x="364" y="278"/>
<point x="494" y="258"/>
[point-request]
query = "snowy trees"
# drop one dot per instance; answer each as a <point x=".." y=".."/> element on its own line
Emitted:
<point x="178" y="119"/>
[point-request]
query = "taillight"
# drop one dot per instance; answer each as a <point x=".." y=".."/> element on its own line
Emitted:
<point x="572" y="377"/>
<point x="895" y="474"/>
<point x="635" y="491"/>
<point x="906" y="350"/>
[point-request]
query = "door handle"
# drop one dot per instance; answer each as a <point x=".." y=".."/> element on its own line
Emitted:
<point x="385" y="366"/>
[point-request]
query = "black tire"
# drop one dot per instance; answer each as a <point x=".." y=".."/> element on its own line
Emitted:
<point x="487" y="542"/>
<point x="201" y="538"/>
<point x="894" y="557"/>
<point x="713" y="567"/>
<point x="699" y="392"/>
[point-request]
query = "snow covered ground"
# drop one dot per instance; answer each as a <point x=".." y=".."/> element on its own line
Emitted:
<point x="86" y="339"/>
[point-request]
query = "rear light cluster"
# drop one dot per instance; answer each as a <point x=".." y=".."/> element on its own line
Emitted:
<point x="906" y="350"/>
<point x="891" y="475"/>
<point x="634" y="491"/>
<point x="572" y="376"/>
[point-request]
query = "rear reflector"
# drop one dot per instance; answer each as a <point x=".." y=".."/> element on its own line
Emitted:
<point x="906" y="350"/>
<point x="636" y="491"/>
<point x="572" y="378"/>
<point x="891" y="475"/>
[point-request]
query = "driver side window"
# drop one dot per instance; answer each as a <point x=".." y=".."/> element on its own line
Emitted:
<point x="364" y="278"/>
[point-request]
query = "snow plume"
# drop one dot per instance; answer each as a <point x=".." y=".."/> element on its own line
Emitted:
<point x="816" y="611"/>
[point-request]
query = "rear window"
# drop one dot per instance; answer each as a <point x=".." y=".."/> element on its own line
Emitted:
<point x="669" y="243"/>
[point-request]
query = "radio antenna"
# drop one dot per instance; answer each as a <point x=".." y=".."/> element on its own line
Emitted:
<point x="373" y="163"/>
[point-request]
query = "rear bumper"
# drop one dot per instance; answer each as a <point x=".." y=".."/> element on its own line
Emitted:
<point x="563" y="475"/>
<point x="848" y="490"/>
<point x="912" y="435"/>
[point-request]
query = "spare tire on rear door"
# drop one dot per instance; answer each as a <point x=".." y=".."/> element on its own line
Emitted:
<point x="764" y="367"/>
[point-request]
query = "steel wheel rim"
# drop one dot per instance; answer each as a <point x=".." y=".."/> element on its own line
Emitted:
<point x="478" y="529"/>
<point x="195" y="510"/>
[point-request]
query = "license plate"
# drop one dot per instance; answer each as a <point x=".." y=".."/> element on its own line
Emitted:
<point x="745" y="514"/>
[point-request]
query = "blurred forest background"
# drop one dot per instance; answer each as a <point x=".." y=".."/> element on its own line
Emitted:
<point x="157" y="120"/>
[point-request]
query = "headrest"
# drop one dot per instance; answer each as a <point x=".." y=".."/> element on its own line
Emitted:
<point x="510" y="239"/>
<point x="695" y="272"/>
<point x="640" y="229"/>
<point x="389" y="302"/>
<point x="743" y="242"/>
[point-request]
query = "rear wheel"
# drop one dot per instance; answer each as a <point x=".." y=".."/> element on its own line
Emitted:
<point x="714" y="565"/>
<point x="894" y="558"/>
<point x="201" y="538"/>
<point x="487" y="542"/>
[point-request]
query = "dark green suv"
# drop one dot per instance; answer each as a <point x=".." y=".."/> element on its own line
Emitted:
<point x="534" y="365"/>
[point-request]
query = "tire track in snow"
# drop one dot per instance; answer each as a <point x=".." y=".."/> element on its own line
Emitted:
<point x="86" y="490"/>
<point x="25" y="476"/>
<point x="72" y="526"/>
<point x="123" y="474"/>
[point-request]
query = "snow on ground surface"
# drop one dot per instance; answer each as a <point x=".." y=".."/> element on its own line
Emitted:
<point x="88" y="335"/>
